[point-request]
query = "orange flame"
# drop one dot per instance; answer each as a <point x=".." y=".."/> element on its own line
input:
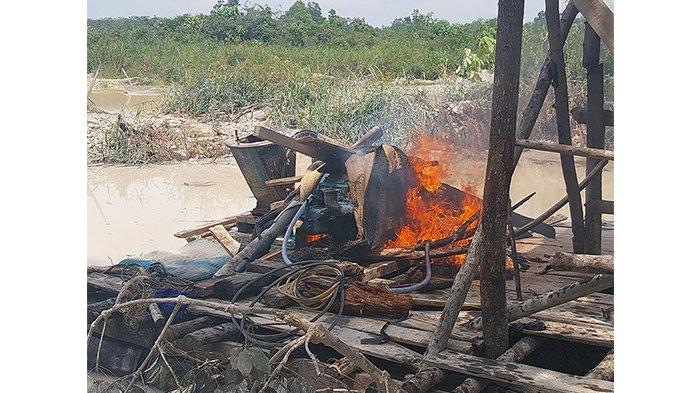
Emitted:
<point x="430" y="213"/>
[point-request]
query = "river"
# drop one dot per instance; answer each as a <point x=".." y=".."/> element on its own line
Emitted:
<point x="133" y="210"/>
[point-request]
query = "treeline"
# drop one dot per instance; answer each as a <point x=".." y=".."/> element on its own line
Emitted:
<point x="416" y="46"/>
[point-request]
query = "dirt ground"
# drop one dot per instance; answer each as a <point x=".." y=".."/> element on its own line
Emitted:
<point x="141" y="106"/>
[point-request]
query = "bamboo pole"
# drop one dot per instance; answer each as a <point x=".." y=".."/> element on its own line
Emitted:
<point x="561" y="105"/>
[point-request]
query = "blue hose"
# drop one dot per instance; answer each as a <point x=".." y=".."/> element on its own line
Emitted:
<point x="426" y="280"/>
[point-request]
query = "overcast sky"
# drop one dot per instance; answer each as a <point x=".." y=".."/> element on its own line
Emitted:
<point x="377" y="13"/>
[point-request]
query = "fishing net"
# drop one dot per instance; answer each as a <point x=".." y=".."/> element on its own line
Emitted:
<point x="195" y="261"/>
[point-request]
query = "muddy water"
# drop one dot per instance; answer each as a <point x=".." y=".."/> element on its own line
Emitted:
<point x="134" y="210"/>
<point x="114" y="100"/>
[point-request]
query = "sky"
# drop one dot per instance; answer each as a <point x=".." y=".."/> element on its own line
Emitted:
<point x="375" y="12"/>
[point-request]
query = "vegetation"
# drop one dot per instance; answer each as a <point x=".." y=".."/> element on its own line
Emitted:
<point x="328" y="72"/>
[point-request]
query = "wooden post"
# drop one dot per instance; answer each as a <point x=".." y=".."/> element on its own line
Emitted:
<point x="595" y="136"/>
<point x="561" y="104"/>
<point x="504" y="107"/>
<point x="534" y="106"/>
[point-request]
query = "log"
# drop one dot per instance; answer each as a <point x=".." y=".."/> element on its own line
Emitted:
<point x="597" y="264"/>
<point x="525" y="378"/>
<point x="561" y="106"/>
<point x="562" y="202"/>
<point x="552" y="299"/>
<point x="206" y="336"/>
<point x="595" y="136"/>
<point x="94" y="309"/>
<point x="178" y="330"/>
<point x="363" y="298"/>
<point x="261" y="244"/>
<point x="599" y="154"/>
<point x="605" y="369"/>
<point x="423" y="380"/>
<point x="105" y="282"/>
<point x="544" y="80"/>
<point x="366" y="299"/>
<point x="600" y="17"/>
<point x="504" y="107"/>
<point x="580" y="114"/>
<point x="515" y="354"/>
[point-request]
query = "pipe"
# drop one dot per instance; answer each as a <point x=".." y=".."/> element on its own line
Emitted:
<point x="426" y="280"/>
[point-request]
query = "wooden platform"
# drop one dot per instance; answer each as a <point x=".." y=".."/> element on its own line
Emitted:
<point x="588" y="320"/>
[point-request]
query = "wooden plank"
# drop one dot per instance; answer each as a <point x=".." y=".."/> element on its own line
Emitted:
<point x="380" y="269"/>
<point x="591" y="335"/>
<point x="104" y="282"/>
<point x="600" y="17"/>
<point x="230" y="244"/>
<point x="283" y="181"/>
<point x="561" y="106"/>
<point x="204" y="228"/>
<point x="527" y="378"/>
<point x="567" y="149"/>
<point x="289" y="142"/>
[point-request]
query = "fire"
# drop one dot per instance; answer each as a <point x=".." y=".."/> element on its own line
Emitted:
<point x="430" y="212"/>
<point x="315" y="237"/>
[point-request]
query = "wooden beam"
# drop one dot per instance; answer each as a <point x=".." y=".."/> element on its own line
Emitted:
<point x="230" y="244"/>
<point x="515" y="354"/>
<point x="600" y="17"/>
<point x="561" y="105"/>
<point x="204" y="228"/>
<point x="526" y="378"/>
<point x="309" y="143"/>
<point x="580" y="115"/>
<point x="598" y="154"/>
<point x="544" y="80"/>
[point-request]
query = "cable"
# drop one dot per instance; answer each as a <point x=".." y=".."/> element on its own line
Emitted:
<point x="288" y="232"/>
